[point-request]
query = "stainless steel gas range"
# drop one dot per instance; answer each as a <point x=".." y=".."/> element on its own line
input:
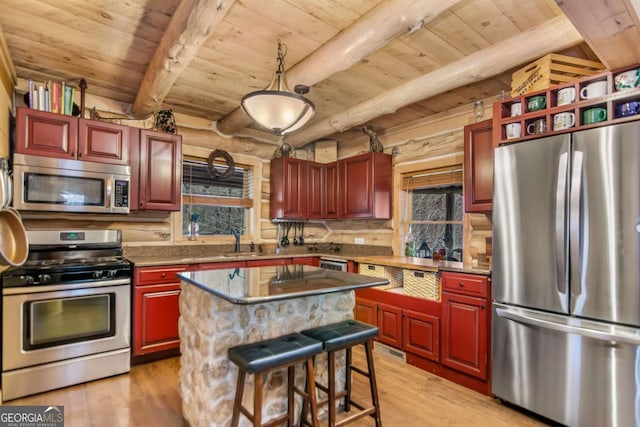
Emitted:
<point x="66" y="312"/>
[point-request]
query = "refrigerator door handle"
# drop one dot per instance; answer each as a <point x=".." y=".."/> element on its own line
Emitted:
<point x="620" y="336"/>
<point x="574" y="221"/>
<point x="561" y="195"/>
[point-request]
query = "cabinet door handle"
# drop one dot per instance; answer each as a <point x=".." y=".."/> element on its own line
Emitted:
<point x="73" y="154"/>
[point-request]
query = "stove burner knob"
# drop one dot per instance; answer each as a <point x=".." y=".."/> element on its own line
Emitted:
<point x="28" y="280"/>
<point x="97" y="274"/>
<point x="112" y="273"/>
<point x="44" y="278"/>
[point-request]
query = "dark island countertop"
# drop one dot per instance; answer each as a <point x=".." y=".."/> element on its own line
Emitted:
<point x="256" y="285"/>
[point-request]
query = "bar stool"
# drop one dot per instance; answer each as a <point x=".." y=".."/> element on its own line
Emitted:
<point x="261" y="357"/>
<point x="344" y="336"/>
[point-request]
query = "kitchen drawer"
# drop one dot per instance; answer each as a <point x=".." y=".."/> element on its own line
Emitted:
<point x="162" y="274"/>
<point x="467" y="284"/>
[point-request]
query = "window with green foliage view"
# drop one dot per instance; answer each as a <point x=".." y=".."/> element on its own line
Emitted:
<point x="220" y="204"/>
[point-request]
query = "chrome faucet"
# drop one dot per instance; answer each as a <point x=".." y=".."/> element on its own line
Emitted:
<point x="237" y="235"/>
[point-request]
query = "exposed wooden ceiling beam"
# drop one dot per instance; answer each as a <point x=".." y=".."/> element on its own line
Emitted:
<point x="610" y="28"/>
<point x="554" y="35"/>
<point x="373" y="30"/>
<point x="190" y="26"/>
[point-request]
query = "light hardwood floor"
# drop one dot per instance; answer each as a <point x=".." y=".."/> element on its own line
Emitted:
<point x="148" y="396"/>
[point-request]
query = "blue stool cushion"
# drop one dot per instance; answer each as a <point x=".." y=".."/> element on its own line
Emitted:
<point x="263" y="355"/>
<point x="342" y="334"/>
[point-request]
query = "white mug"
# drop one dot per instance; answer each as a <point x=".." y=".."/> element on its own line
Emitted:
<point x="566" y="95"/>
<point x="513" y="130"/>
<point x="516" y="109"/>
<point x="564" y="121"/>
<point x="593" y="90"/>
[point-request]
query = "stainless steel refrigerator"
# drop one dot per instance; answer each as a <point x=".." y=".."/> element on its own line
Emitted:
<point x="566" y="276"/>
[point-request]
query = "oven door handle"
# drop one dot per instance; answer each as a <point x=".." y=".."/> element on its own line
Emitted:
<point x="72" y="286"/>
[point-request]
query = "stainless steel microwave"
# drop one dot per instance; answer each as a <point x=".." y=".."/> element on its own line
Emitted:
<point x="50" y="184"/>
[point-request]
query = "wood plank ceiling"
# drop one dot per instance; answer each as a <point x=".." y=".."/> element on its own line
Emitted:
<point x="111" y="45"/>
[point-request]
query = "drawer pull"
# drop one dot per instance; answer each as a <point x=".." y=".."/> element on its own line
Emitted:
<point x="163" y="275"/>
<point x="418" y="274"/>
<point x="371" y="267"/>
<point x="461" y="284"/>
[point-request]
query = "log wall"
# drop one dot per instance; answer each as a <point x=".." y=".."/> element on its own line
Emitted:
<point x="7" y="82"/>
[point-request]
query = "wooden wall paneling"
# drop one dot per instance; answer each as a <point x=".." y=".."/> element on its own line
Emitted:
<point x="611" y="28"/>
<point x="191" y="24"/>
<point x="500" y="27"/>
<point x="557" y="33"/>
<point x="7" y="80"/>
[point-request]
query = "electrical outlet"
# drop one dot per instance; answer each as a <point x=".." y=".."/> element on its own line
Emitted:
<point x="359" y="240"/>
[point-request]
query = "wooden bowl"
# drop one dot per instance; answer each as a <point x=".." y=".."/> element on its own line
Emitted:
<point x="14" y="245"/>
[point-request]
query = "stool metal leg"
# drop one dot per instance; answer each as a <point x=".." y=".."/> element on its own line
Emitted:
<point x="372" y="384"/>
<point x="237" y="402"/>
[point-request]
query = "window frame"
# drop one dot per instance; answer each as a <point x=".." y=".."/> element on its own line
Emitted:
<point x="252" y="213"/>
<point x="402" y="200"/>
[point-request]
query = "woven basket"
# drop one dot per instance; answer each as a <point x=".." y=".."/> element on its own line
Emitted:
<point x="423" y="284"/>
<point x="393" y="274"/>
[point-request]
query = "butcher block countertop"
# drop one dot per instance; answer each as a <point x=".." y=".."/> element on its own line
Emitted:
<point x="425" y="264"/>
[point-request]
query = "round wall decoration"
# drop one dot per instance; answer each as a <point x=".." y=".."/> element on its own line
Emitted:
<point x="228" y="161"/>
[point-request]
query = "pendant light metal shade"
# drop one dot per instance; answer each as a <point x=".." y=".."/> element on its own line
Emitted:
<point x="276" y="108"/>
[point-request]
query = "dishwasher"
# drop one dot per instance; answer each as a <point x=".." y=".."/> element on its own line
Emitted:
<point x="334" y="264"/>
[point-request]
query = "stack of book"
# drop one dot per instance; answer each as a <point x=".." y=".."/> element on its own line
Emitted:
<point x="54" y="97"/>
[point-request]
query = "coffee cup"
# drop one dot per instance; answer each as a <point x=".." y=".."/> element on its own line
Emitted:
<point x="627" y="80"/>
<point x="628" y="109"/>
<point x="594" y="115"/>
<point x="516" y="109"/>
<point x="564" y="121"/>
<point x="536" y="103"/>
<point x="566" y="95"/>
<point x="594" y="90"/>
<point x="513" y="130"/>
<point x="537" y="126"/>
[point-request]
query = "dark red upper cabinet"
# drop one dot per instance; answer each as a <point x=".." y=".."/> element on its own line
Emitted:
<point x="316" y="194"/>
<point x="160" y="175"/>
<point x="322" y="190"/>
<point x="41" y="133"/>
<point x="478" y="167"/>
<point x="103" y="142"/>
<point x="331" y="190"/>
<point x="365" y="184"/>
<point x="288" y="188"/>
<point x="46" y="134"/>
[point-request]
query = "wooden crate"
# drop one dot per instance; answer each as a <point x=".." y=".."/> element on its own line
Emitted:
<point x="551" y="70"/>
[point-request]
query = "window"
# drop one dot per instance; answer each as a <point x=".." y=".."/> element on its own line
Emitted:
<point x="221" y="204"/>
<point x="433" y="210"/>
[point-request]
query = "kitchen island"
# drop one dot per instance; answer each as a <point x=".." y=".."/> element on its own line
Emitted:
<point x="222" y="308"/>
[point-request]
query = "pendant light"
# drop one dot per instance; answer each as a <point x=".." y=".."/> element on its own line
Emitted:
<point x="276" y="108"/>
